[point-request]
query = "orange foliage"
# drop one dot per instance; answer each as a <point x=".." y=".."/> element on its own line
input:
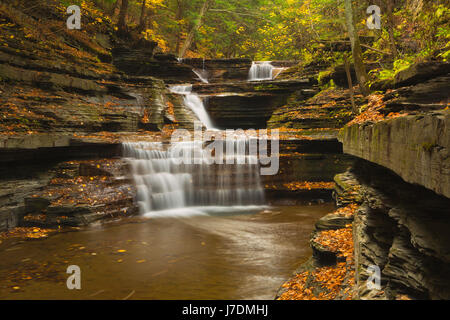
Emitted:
<point x="339" y="241"/>
<point x="324" y="283"/>
<point x="373" y="113"/>
<point x="328" y="283"/>
<point x="307" y="185"/>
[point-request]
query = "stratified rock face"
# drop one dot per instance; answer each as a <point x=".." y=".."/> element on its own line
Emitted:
<point x="248" y="105"/>
<point x="421" y="72"/>
<point x="312" y="159"/>
<point x="308" y="110"/>
<point x="339" y="75"/>
<point x="79" y="193"/>
<point x="221" y="70"/>
<point x="403" y="230"/>
<point x="242" y="111"/>
<point x="142" y="63"/>
<point x="416" y="147"/>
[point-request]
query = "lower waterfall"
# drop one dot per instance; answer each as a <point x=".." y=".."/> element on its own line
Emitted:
<point x="168" y="186"/>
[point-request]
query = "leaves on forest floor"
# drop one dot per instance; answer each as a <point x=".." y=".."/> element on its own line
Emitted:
<point x="372" y="113"/>
<point x="331" y="282"/>
<point x="302" y="185"/>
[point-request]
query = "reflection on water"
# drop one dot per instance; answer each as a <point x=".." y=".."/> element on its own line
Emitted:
<point x="206" y="257"/>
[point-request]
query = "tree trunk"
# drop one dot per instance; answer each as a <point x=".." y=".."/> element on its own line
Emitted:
<point x="143" y="18"/>
<point x="178" y="16"/>
<point x="360" y="69"/>
<point x="114" y="8"/>
<point x="190" y="38"/>
<point x="390" y="25"/>
<point x="350" y="83"/>
<point x="122" y="24"/>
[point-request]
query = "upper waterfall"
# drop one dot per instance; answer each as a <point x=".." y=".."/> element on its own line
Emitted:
<point x="193" y="102"/>
<point x="261" y="71"/>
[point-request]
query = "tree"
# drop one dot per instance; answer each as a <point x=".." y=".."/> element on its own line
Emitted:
<point x="122" y="24"/>
<point x="114" y="8"/>
<point x="350" y="83"/>
<point x="197" y="24"/>
<point x="390" y="27"/>
<point x="360" y="68"/>
<point x="142" y="19"/>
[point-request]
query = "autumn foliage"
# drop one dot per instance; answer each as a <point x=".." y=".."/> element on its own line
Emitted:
<point x="328" y="282"/>
<point x="374" y="113"/>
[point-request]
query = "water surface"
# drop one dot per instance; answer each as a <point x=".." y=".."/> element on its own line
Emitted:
<point x="203" y="257"/>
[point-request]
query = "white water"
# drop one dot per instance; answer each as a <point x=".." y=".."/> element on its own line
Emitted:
<point x="261" y="71"/>
<point x="168" y="187"/>
<point x="193" y="102"/>
<point x="201" y="74"/>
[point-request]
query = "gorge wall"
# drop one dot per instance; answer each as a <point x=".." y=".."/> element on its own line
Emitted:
<point x="404" y="180"/>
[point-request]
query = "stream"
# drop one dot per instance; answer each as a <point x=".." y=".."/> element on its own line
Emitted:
<point x="245" y="256"/>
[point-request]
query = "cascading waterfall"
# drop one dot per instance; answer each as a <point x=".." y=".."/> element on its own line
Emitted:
<point x="167" y="186"/>
<point x="193" y="102"/>
<point x="261" y="71"/>
<point x="201" y="74"/>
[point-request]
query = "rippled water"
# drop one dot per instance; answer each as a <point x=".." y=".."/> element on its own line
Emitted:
<point x="206" y="257"/>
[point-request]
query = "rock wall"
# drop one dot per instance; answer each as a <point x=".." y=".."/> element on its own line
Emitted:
<point x="249" y="105"/>
<point x="221" y="70"/>
<point x="416" y="147"/>
<point x="402" y="229"/>
<point x="312" y="160"/>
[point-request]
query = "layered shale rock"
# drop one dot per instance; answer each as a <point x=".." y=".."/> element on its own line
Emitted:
<point x="249" y="104"/>
<point x="401" y="229"/>
<point x="416" y="145"/>
<point x="142" y="62"/>
<point x="220" y="70"/>
<point x="79" y="193"/>
<point x="329" y="109"/>
<point x="307" y="167"/>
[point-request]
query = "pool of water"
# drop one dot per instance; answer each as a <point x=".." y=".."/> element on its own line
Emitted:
<point x="246" y="256"/>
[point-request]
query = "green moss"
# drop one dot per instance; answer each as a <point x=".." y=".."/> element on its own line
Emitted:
<point x="322" y="75"/>
<point x="265" y="87"/>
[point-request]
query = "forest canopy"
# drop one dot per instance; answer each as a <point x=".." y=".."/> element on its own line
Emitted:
<point x="282" y="29"/>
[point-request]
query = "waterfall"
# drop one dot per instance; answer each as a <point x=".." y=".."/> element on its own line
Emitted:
<point x="261" y="71"/>
<point x="167" y="186"/>
<point x="201" y="74"/>
<point x="193" y="102"/>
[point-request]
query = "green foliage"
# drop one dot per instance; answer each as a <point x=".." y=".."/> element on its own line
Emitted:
<point x="323" y="74"/>
<point x="399" y="65"/>
<point x="289" y="29"/>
